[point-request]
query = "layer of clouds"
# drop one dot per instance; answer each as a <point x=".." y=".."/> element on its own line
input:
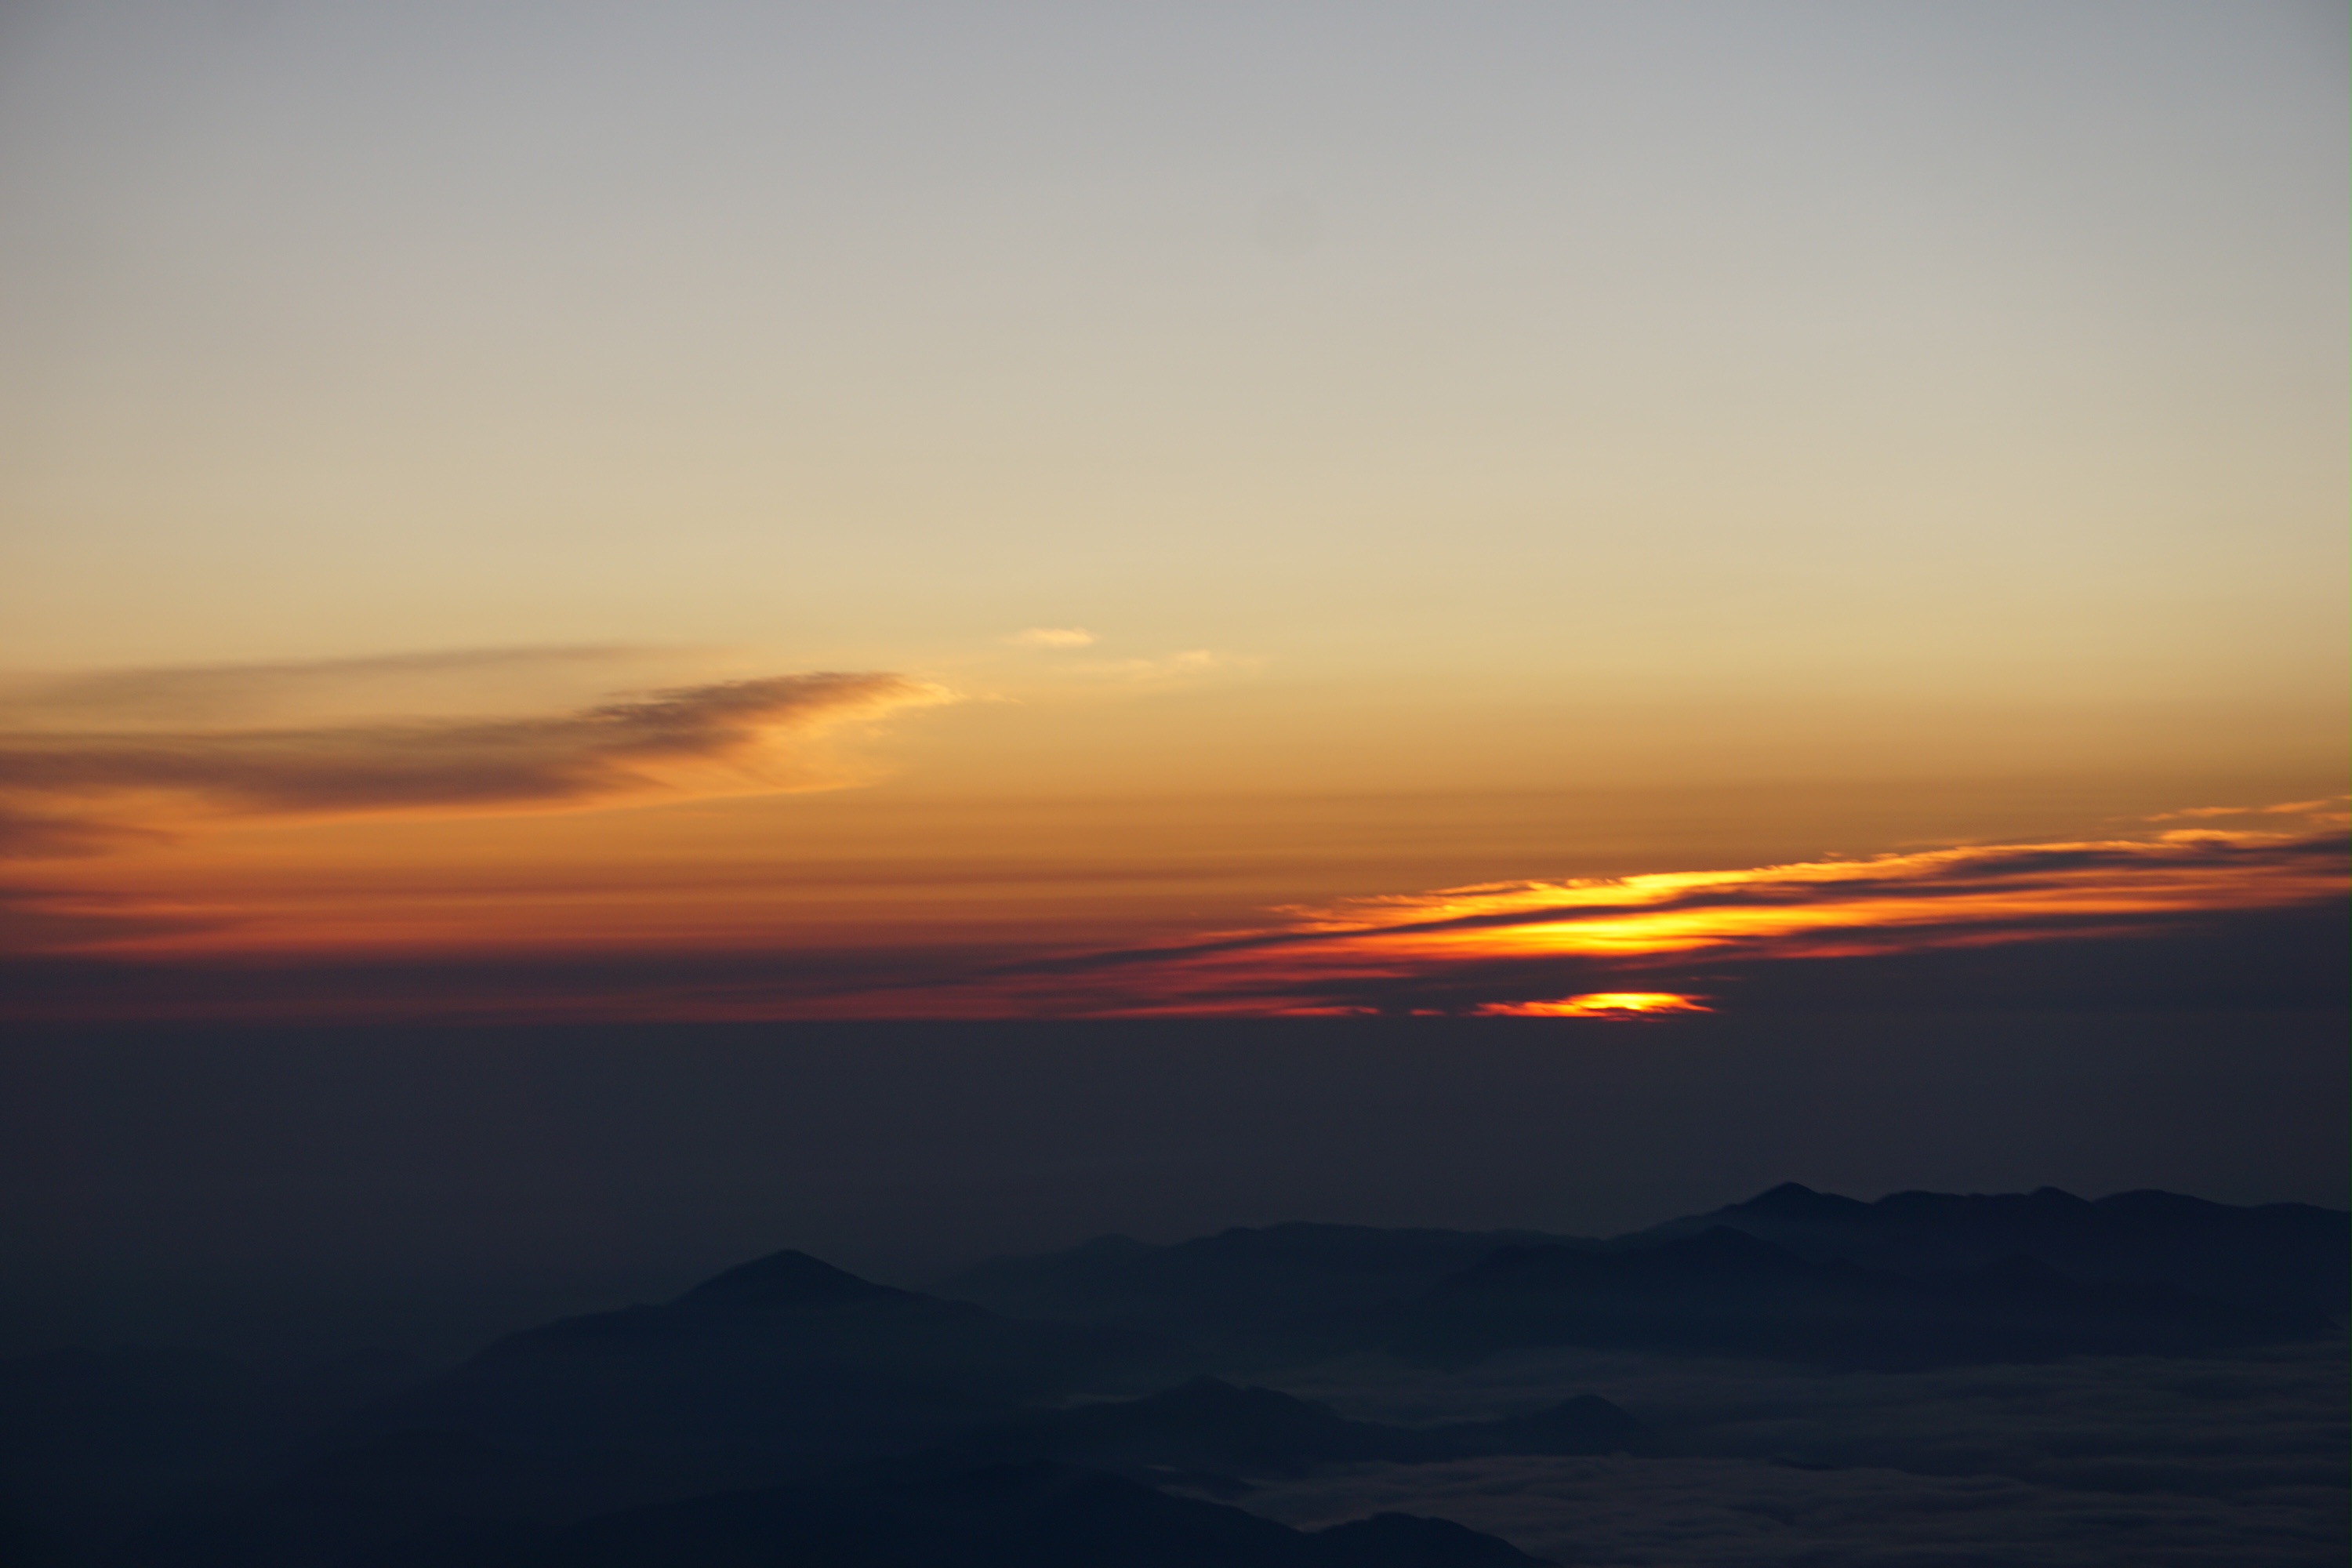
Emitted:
<point x="2234" y="1424"/>
<point x="1468" y="949"/>
<point x="1170" y="669"/>
<point x="35" y="920"/>
<point x="1176" y="665"/>
<point x="66" y="971"/>
<point x="67" y="790"/>
<point x="1743" y="1513"/>
<point x="2237" y="1459"/>
<point x="446" y="683"/>
<point x="52" y="835"/>
<point x="2331" y="810"/>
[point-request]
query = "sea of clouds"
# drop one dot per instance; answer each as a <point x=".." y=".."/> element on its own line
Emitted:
<point x="2236" y="1460"/>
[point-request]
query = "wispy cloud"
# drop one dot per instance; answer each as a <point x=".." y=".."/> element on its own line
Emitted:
<point x="443" y="682"/>
<point x="27" y="835"/>
<point x="1599" y="1004"/>
<point x="1569" y="948"/>
<point x="1188" y="665"/>
<point x="2185" y="919"/>
<point x="1142" y="672"/>
<point x="2329" y="810"/>
<point x="70" y="790"/>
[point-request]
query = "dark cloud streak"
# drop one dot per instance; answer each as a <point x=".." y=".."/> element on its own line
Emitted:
<point x="584" y="757"/>
<point x="243" y="693"/>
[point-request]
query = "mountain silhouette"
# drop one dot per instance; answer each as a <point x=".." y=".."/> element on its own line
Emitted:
<point x="1725" y="1292"/>
<point x="92" y="1439"/>
<point x="1211" y="1434"/>
<point x="2137" y="1271"/>
<point x="2281" y="1257"/>
<point x="787" y="1281"/>
<point x="1241" y="1294"/>
<point x="1030" y="1515"/>
<point x="444" y="1500"/>
<point x="784" y="1408"/>
<point x="405" y="1499"/>
<point x="782" y="1361"/>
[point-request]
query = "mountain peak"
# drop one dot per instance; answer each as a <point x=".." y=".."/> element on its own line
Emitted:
<point x="2058" y="1197"/>
<point x="1795" y="1198"/>
<point x="2152" y="1203"/>
<point x="785" y="1279"/>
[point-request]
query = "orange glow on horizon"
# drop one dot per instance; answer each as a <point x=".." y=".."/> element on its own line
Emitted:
<point x="1599" y="1004"/>
<point x="836" y="936"/>
<point x="1459" y="939"/>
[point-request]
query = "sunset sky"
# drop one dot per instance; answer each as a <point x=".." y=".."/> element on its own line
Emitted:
<point x="736" y="511"/>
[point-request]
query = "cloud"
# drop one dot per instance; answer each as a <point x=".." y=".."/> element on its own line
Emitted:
<point x="78" y="958"/>
<point x="1598" y="1004"/>
<point x="67" y="788"/>
<point x="1538" y="946"/>
<point x="46" y="836"/>
<point x="1175" y="667"/>
<point x="2188" y="918"/>
<point x="2331" y="810"/>
<point x="1183" y="666"/>
<point x="35" y="920"/>
<point x="1745" y="1513"/>
<point x="492" y="682"/>
<point x="2226" y="1459"/>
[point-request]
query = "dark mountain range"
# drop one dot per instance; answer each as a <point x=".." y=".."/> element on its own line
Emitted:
<point x="1241" y="1294"/>
<point x="1257" y="1298"/>
<point x="1724" y="1292"/>
<point x="405" y="1499"/>
<point x="428" y="1501"/>
<point x="1033" y="1515"/>
<point x="84" y="1430"/>
<point x="1211" y="1435"/>
<point x="787" y="1411"/>
<point x="27" y="1545"/>
<point x="2281" y="1257"/>
<point x="90" y="1438"/>
<point x="657" y="1409"/>
<point x="782" y="1367"/>
<point x="781" y="1361"/>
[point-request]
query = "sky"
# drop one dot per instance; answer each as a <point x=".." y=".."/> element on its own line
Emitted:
<point x="529" y="512"/>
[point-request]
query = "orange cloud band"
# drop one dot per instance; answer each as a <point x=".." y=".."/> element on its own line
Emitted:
<point x="2254" y="918"/>
<point x="1505" y="936"/>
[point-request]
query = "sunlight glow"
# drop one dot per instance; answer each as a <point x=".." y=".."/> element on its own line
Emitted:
<point x="1600" y="1005"/>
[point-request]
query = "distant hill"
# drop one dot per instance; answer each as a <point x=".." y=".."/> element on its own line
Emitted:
<point x="1033" y="1515"/>
<point x="785" y="1409"/>
<point x="785" y="1359"/>
<point x="782" y="1367"/>
<point x="1295" y="1291"/>
<point x="1242" y="1292"/>
<point x="1725" y="1292"/>
<point x="2279" y="1257"/>
<point x="92" y="1439"/>
<point x="1213" y="1436"/>
<point x="420" y="1501"/>
<point x="787" y="1370"/>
